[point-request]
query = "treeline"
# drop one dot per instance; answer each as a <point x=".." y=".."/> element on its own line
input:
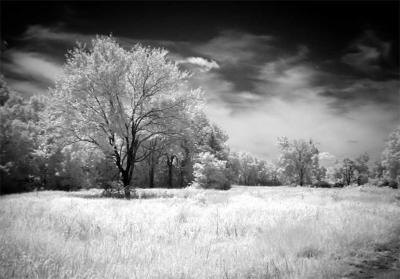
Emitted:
<point x="174" y="161"/>
<point x="122" y="119"/>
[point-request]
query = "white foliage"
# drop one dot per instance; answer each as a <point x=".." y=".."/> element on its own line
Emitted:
<point x="209" y="172"/>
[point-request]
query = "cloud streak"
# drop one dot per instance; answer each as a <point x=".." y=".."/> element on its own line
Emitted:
<point x="204" y="64"/>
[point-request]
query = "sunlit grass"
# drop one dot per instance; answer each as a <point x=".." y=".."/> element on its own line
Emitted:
<point x="246" y="232"/>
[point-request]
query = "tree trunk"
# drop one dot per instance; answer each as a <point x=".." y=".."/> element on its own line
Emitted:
<point x="126" y="182"/>
<point x="301" y="177"/>
<point x="170" y="164"/>
<point x="169" y="175"/>
<point x="151" y="177"/>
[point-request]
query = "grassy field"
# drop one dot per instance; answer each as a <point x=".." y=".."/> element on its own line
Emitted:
<point x="246" y="232"/>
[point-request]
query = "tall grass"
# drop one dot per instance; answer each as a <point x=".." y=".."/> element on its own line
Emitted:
<point x="246" y="232"/>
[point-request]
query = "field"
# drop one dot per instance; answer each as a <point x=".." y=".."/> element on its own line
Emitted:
<point x="246" y="232"/>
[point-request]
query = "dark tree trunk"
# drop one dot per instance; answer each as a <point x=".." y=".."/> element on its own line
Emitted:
<point x="301" y="177"/>
<point x="126" y="182"/>
<point x="169" y="175"/>
<point x="170" y="161"/>
<point x="181" y="178"/>
<point x="151" y="177"/>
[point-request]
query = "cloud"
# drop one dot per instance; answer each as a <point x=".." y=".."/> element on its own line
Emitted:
<point x="232" y="47"/>
<point x="285" y="94"/>
<point x="326" y="156"/>
<point x="35" y="65"/>
<point x="360" y="92"/>
<point x="204" y="64"/>
<point x="326" y="159"/>
<point x="367" y="53"/>
<point x="39" y="33"/>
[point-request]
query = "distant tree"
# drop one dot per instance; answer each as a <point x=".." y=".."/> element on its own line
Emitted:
<point x="118" y="100"/>
<point x="347" y="171"/>
<point x="296" y="159"/>
<point x="361" y="170"/>
<point x="318" y="173"/>
<point x="248" y="169"/>
<point x="378" y="169"/>
<point x="390" y="159"/>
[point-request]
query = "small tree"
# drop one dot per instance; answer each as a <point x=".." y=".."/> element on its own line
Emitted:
<point x="361" y="169"/>
<point x="391" y="157"/>
<point x="318" y="172"/>
<point x="210" y="172"/>
<point x="296" y="159"/>
<point x="347" y="171"/>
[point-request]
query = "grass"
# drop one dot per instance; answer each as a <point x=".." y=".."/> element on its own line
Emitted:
<point x="246" y="232"/>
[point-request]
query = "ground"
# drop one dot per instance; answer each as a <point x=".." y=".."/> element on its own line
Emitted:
<point x="246" y="232"/>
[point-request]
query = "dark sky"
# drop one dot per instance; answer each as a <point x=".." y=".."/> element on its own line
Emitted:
<point x="326" y="70"/>
<point x="328" y="25"/>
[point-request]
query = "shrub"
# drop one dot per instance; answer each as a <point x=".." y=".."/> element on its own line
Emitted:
<point x="211" y="173"/>
<point x="393" y="184"/>
<point x="338" y="185"/>
<point x="388" y="183"/>
<point x="322" y="184"/>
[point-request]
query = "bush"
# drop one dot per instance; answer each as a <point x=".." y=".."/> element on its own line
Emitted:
<point x="113" y="189"/>
<point x="388" y="183"/>
<point x="322" y="184"/>
<point x="338" y="185"/>
<point x="393" y="184"/>
<point x="211" y="173"/>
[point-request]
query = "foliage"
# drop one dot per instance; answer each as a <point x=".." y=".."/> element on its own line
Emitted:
<point x="118" y="100"/>
<point x="249" y="170"/>
<point x="210" y="172"/>
<point x="297" y="160"/>
<point x="391" y="157"/>
<point x="351" y="171"/>
<point x="18" y="139"/>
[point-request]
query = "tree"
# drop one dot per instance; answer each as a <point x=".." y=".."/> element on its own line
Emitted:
<point x="118" y="100"/>
<point x="347" y="171"/>
<point x="318" y="173"/>
<point x="4" y="91"/>
<point x="210" y="172"/>
<point x="361" y="169"/>
<point x="18" y="140"/>
<point x="296" y="159"/>
<point x="378" y="169"/>
<point x="390" y="157"/>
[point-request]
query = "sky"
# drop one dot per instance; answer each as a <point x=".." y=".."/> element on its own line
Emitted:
<point x="322" y="70"/>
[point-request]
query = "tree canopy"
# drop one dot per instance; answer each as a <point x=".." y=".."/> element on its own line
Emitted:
<point x="118" y="100"/>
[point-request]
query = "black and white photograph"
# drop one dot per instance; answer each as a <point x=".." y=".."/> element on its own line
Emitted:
<point x="200" y="140"/>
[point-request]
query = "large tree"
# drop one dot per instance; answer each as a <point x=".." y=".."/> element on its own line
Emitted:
<point x="118" y="100"/>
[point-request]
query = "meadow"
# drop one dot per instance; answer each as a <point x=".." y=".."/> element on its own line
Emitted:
<point x="246" y="232"/>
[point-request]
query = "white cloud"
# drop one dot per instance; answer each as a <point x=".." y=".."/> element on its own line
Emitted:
<point x="203" y="63"/>
<point x="326" y="156"/>
<point x="326" y="159"/>
<point x="34" y="65"/>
